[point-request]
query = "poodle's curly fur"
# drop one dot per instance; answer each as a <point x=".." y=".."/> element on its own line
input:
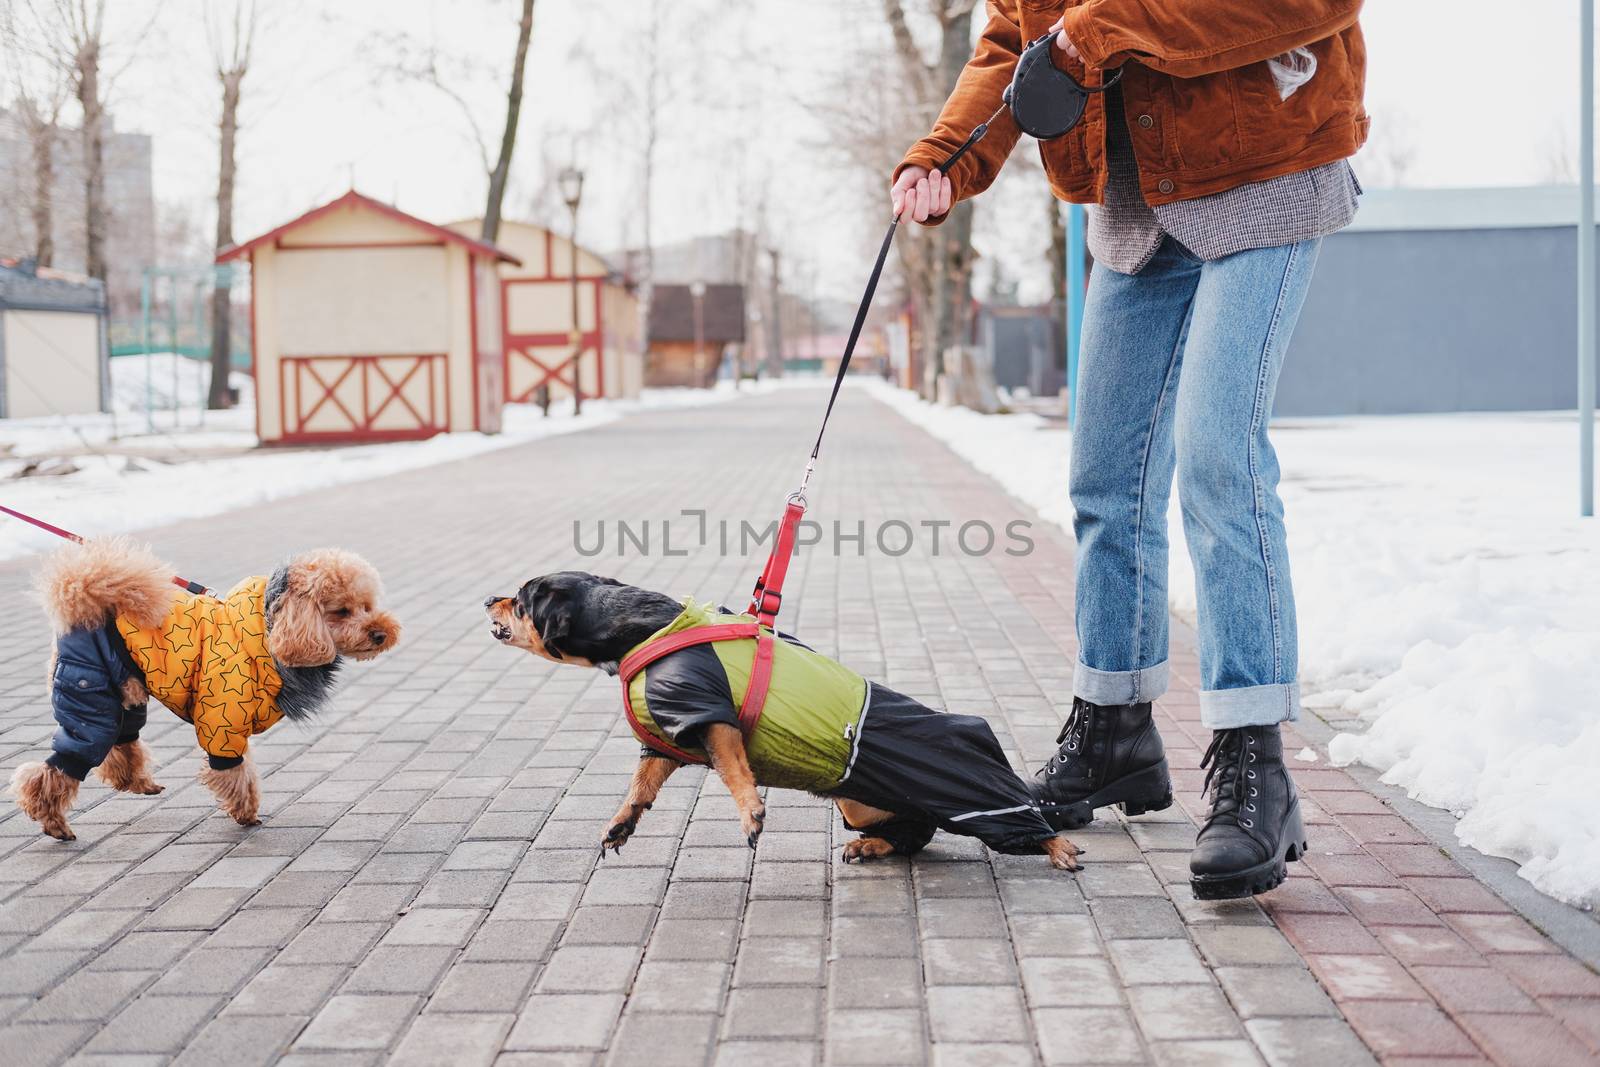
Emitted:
<point x="237" y="789"/>
<point x="45" y="795"/>
<point x="84" y="584"/>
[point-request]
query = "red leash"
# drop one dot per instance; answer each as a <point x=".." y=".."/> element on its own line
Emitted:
<point x="183" y="583"/>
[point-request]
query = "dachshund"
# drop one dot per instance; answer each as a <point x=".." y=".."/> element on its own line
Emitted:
<point x="897" y="770"/>
<point x="233" y="666"/>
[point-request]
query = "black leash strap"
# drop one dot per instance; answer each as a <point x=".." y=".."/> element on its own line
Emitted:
<point x="872" y="287"/>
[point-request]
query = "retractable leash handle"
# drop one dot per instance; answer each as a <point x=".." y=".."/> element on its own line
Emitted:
<point x="182" y="583"/>
<point x="1046" y="102"/>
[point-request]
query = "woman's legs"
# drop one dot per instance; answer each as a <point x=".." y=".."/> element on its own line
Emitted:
<point x="1244" y="312"/>
<point x="1122" y="464"/>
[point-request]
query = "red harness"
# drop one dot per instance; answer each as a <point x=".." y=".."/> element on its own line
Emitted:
<point x="764" y="603"/>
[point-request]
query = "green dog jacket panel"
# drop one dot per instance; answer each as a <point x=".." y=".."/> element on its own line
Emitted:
<point x="806" y="736"/>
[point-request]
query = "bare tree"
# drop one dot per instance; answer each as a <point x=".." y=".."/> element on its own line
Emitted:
<point x="938" y="266"/>
<point x="231" y="46"/>
<point x="41" y="91"/>
<point x="450" y="75"/>
<point x="71" y="38"/>
<point x="501" y="171"/>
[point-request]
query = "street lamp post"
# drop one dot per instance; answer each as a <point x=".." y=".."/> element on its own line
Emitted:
<point x="698" y="291"/>
<point x="571" y="182"/>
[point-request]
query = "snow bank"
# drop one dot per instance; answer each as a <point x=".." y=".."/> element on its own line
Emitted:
<point x="206" y="471"/>
<point x="1447" y="596"/>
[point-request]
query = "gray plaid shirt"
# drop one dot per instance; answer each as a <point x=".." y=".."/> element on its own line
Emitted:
<point x="1125" y="232"/>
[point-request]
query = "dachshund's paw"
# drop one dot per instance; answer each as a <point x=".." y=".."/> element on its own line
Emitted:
<point x="752" y="822"/>
<point x="147" y="788"/>
<point x="1063" y="854"/>
<point x="867" y="848"/>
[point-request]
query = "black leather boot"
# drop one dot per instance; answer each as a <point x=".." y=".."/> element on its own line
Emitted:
<point x="1109" y="754"/>
<point x="1253" y="828"/>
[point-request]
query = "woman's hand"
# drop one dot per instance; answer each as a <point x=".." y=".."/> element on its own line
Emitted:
<point x="919" y="194"/>
<point x="1064" y="43"/>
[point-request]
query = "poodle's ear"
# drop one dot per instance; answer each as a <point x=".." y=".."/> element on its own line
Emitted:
<point x="298" y="635"/>
<point x="549" y="608"/>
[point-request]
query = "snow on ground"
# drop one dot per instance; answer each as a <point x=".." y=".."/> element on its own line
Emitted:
<point x="1448" y="598"/>
<point x="195" y="470"/>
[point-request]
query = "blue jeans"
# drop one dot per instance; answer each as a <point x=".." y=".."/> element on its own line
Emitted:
<point x="1179" y="364"/>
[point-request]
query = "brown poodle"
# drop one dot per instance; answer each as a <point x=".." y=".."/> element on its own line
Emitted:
<point x="231" y="666"/>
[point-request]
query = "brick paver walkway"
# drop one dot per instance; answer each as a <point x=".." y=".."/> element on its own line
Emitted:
<point x="424" y="889"/>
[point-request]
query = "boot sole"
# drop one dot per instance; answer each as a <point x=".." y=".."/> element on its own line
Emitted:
<point x="1263" y="877"/>
<point x="1148" y="790"/>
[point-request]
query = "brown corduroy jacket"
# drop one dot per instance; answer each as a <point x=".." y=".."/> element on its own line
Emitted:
<point x="1202" y="106"/>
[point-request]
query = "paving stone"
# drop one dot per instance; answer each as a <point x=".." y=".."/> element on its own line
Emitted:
<point x="1051" y="935"/>
<point x="154" y="1024"/>
<point x="434" y="926"/>
<point x="969" y="961"/>
<point x="1274" y="991"/>
<point x="1070" y="981"/>
<point x="688" y="986"/>
<point x="356" y="1022"/>
<point x="773" y="1012"/>
<point x="1071" y="1035"/>
<point x="31" y="973"/>
<point x="976" y="1013"/>
<point x="619" y="925"/>
<point x="260" y="927"/>
<point x="589" y="969"/>
<point x="693" y="939"/>
<point x="677" y="1040"/>
<point x="462" y="1040"/>
<point x="1173" y="1012"/>
<point x="553" y="1021"/>
<point x="41" y="1045"/>
<point x="87" y="995"/>
<point x="779" y="961"/>
<point x="491" y="987"/>
<point x="880" y="1036"/>
<point x="211" y="971"/>
<point x="1158" y="961"/>
<point x="242" y="1041"/>
<point x="282" y="989"/>
<point x="868" y="982"/>
<point x="968" y="1054"/>
<point x="1235" y="1053"/>
<point x="1239" y="945"/>
<point x="874" y="935"/>
<point x="400" y="969"/>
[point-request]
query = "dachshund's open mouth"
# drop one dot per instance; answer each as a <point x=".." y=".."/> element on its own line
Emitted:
<point x="501" y="633"/>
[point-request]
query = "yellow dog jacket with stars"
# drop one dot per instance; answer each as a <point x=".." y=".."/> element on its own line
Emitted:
<point x="208" y="662"/>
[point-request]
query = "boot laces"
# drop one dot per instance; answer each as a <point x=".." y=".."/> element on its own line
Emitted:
<point x="1070" y="739"/>
<point x="1229" y="762"/>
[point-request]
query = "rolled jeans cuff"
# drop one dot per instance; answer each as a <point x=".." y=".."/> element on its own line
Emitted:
<point x="1120" y="687"/>
<point x="1256" y="705"/>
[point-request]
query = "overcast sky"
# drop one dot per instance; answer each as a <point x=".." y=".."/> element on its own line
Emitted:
<point x="1465" y="92"/>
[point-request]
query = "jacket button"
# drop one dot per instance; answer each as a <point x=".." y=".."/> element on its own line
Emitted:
<point x="1166" y="185"/>
<point x="83" y="683"/>
<point x="1146" y="121"/>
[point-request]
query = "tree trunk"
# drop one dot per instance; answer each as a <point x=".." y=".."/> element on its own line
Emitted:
<point x="508" y="137"/>
<point x="94" y="158"/>
<point x="954" y="266"/>
<point x="221" y="297"/>
<point x="42" y="135"/>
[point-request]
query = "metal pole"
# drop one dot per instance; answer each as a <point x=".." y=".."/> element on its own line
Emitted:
<point x="1586" y="278"/>
<point x="149" y="365"/>
<point x="1077" y="223"/>
<point x="577" y="334"/>
<point x="177" y="351"/>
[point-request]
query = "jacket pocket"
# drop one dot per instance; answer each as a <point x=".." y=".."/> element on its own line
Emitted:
<point x="1205" y="117"/>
